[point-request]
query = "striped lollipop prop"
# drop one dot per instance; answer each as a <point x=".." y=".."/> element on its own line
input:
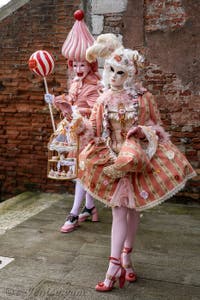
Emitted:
<point x="42" y="64"/>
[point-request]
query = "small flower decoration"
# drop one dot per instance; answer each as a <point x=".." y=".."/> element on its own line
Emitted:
<point x="82" y="165"/>
<point x="122" y="111"/>
<point x="144" y="194"/>
<point x="117" y="58"/>
<point x="105" y="182"/>
<point x="170" y="154"/>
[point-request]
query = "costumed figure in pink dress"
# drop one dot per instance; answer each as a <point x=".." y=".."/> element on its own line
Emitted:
<point x="83" y="92"/>
<point x="130" y="163"/>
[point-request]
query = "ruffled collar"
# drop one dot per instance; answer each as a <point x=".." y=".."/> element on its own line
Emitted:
<point x="114" y="97"/>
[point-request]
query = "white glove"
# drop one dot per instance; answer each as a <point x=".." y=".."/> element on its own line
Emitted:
<point x="48" y="98"/>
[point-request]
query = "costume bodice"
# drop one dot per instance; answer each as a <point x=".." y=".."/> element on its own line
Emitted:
<point x="122" y="114"/>
<point x="83" y="93"/>
<point x="78" y="95"/>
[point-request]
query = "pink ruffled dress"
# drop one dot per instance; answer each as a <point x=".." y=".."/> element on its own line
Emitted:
<point x="122" y="169"/>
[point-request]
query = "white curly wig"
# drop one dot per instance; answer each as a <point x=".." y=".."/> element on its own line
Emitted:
<point x="127" y="60"/>
<point x="103" y="47"/>
<point x="108" y="46"/>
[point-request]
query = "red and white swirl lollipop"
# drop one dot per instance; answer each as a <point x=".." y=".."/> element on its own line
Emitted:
<point x="41" y="63"/>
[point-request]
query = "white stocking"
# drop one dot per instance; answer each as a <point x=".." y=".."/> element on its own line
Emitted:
<point x="89" y="201"/>
<point x="78" y="199"/>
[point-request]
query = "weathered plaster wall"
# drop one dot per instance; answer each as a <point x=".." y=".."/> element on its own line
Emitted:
<point x="175" y="36"/>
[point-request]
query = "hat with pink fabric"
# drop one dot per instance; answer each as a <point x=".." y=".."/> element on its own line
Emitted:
<point x="78" y="39"/>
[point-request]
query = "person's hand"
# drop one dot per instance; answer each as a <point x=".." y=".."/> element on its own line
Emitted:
<point x="84" y="111"/>
<point x="48" y="98"/>
<point x="136" y="132"/>
<point x="62" y="104"/>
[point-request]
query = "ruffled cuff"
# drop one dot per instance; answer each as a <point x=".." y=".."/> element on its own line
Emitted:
<point x="62" y="104"/>
<point x="112" y="172"/>
<point x="148" y="133"/>
<point x="131" y="158"/>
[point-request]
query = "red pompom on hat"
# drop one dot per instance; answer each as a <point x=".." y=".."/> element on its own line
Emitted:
<point x="78" y="39"/>
<point x="79" y="15"/>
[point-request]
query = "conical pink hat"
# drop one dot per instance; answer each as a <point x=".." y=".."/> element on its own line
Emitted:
<point x="78" y="39"/>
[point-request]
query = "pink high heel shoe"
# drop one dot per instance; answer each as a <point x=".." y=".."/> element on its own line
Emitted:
<point x="101" y="287"/>
<point x="70" y="224"/>
<point x="88" y="213"/>
<point x="130" y="273"/>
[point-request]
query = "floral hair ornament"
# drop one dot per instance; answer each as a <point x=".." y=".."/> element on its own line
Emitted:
<point x="138" y="59"/>
<point x="118" y="58"/>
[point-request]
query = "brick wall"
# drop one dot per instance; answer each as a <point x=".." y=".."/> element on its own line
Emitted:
<point x="165" y="31"/>
<point x="25" y="125"/>
<point x="164" y="15"/>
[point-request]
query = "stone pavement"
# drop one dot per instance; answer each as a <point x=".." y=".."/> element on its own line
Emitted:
<point x="48" y="265"/>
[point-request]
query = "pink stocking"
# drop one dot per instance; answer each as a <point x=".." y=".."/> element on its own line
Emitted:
<point x="133" y="218"/>
<point x="118" y="236"/>
<point x="119" y="230"/>
<point x="78" y="199"/>
<point x="124" y="228"/>
<point x="89" y="201"/>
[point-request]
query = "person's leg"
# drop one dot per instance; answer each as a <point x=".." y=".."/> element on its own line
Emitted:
<point x="72" y="219"/>
<point x="119" y="230"/>
<point x="78" y="198"/>
<point x="89" y="203"/>
<point x="133" y="218"/>
<point x="118" y="236"/>
<point x="89" y="211"/>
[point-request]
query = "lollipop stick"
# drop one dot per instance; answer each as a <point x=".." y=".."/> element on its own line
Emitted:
<point x="50" y="107"/>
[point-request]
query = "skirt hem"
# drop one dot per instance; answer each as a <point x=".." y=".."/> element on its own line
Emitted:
<point x="148" y="205"/>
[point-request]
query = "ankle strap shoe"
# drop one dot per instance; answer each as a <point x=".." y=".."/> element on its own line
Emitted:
<point x="89" y="213"/>
<point x="70" y="224"/>
<point x="119" y="274"/>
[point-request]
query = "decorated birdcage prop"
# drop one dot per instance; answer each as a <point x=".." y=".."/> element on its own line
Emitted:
<point x="63" y="152"/>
